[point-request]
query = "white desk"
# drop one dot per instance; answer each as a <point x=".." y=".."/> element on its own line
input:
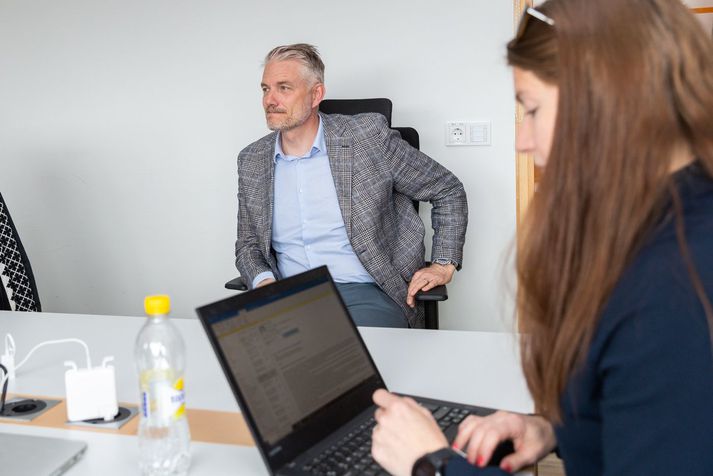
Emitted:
<point x="479" y="368"/>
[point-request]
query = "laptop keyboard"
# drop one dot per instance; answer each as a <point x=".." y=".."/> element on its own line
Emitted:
<point x="351" y="456"/>
<point x="447" y="416"/>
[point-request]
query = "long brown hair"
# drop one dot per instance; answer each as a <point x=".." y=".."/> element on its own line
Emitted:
<point x="635" y="81"/>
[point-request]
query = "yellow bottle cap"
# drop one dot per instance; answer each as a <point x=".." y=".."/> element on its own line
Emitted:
<point x="156" y="305"/>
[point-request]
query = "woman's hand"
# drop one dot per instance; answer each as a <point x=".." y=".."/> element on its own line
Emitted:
<point x="404" y="432"/>
<point x="533" y="437"/>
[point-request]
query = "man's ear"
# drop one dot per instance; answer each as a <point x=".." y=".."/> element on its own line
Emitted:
<point x="318" y="92"/>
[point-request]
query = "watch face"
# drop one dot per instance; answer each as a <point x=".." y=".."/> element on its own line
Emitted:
<point x="444" y="262"/>
<point x="424" y="467"/>
<point x="432" y="463"/>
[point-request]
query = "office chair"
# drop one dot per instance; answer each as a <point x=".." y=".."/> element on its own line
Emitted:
<point x="384" y="107"/>
<point x="18" y="291"/>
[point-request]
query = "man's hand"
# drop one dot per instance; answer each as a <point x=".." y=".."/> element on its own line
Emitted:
<point x="265" y="282"/>
<point x="428" y="278"/>
<point x="404" y="432"/>
<point x="532" y="436"/>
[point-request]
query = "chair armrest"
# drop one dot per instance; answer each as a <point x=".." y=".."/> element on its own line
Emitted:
<point x="439" y="293"/>
<point x="238" y="284"/>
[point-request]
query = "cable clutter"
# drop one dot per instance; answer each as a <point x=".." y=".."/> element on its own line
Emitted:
<point x="90" y="391"/>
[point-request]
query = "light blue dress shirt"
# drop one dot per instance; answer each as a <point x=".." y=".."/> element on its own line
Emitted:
<point x="307" y="225"/>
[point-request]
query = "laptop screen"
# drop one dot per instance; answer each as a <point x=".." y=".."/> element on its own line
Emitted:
<point x="294" y="359"/>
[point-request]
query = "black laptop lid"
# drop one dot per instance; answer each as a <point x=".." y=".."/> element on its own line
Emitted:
<point x="294" y="360"/>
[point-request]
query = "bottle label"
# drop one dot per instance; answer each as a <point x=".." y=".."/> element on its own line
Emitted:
<point x="161" y="400"/>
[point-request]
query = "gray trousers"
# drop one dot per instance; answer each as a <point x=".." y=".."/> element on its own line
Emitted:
<point x="369" y="306"/>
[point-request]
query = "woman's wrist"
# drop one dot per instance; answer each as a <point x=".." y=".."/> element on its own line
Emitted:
<point x="433" y="463"/>
<point x="546" y="432"/>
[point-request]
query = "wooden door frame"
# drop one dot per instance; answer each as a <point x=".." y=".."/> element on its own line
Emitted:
<point x="524" y="163"/>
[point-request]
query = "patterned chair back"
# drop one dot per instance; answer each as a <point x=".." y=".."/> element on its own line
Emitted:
<point x="18" y="291"/>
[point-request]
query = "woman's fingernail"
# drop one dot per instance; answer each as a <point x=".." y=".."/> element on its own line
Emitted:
<point x="454" y="446"/>
<point x="507" y="467"/>
<point x="480" y="461"/>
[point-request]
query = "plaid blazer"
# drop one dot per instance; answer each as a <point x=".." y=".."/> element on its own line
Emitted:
<point x="376" y="175"/>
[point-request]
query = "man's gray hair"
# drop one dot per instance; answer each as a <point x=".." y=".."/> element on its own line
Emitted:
<point x="302" y="52"/>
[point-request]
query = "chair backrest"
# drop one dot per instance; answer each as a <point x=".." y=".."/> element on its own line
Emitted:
<point x="17" y="286"/>
<point x="351" y="107"/>
<point x="410" y="135"/>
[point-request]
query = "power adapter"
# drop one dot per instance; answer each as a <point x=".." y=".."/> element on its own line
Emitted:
<point x="91" y="392"/>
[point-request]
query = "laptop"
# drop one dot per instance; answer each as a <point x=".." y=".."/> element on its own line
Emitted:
<point x="304" y="378"/>
<point x="38" y="455"/>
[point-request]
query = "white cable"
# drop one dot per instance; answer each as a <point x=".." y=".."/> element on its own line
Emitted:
<point x="10" y="354"/>
<point x="59" y="341"/>
<point x="10" y="349"/>
<point x="9" y="345"/>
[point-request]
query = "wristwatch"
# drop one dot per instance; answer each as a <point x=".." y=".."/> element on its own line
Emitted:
<point x="432" y="464"/>
<point x="445" y="261"/>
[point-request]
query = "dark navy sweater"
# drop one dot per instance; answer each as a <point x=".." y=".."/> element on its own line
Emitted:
<point x="642" y="402"/>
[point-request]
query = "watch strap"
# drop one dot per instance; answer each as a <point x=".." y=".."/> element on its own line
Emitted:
<point x="433" y="464"/>
<point x="445" y="261"/>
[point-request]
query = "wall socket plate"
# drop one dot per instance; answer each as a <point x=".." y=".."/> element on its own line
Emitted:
<point x="468" y="133"/>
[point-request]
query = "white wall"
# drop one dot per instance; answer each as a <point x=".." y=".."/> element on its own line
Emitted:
<point x="120" y="122"/>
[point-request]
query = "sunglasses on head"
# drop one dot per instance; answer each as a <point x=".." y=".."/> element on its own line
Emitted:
<point x="529" y="13"/>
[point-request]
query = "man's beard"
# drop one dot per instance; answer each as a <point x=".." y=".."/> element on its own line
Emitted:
<point x="283" y="121"/>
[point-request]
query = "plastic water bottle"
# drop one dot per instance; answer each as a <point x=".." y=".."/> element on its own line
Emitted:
<point x="164" y="437"/>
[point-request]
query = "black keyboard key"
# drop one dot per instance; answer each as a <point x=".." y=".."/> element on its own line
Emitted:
<point x="441" y="412"/>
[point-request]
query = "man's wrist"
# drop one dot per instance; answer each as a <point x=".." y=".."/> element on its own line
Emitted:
<point x="262" y="277"/>
<point x="446" y="262"/>
<point x="449" y="268"/>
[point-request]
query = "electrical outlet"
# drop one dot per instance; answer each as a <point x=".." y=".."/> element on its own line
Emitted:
<point x="455" y="133"/>
<point x="468" y="133"/>
<point x="26" y="409"/>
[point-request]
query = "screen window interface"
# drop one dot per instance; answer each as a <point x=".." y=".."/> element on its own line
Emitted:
<point x="292" y="356"/>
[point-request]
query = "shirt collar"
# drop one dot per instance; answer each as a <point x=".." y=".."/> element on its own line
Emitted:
<point x="318" y="146"/>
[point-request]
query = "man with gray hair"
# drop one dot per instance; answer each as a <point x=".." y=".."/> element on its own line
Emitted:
<point x="337" y="190"/>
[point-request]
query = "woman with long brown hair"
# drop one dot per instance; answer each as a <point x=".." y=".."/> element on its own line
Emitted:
<point x="615" y="257"/>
